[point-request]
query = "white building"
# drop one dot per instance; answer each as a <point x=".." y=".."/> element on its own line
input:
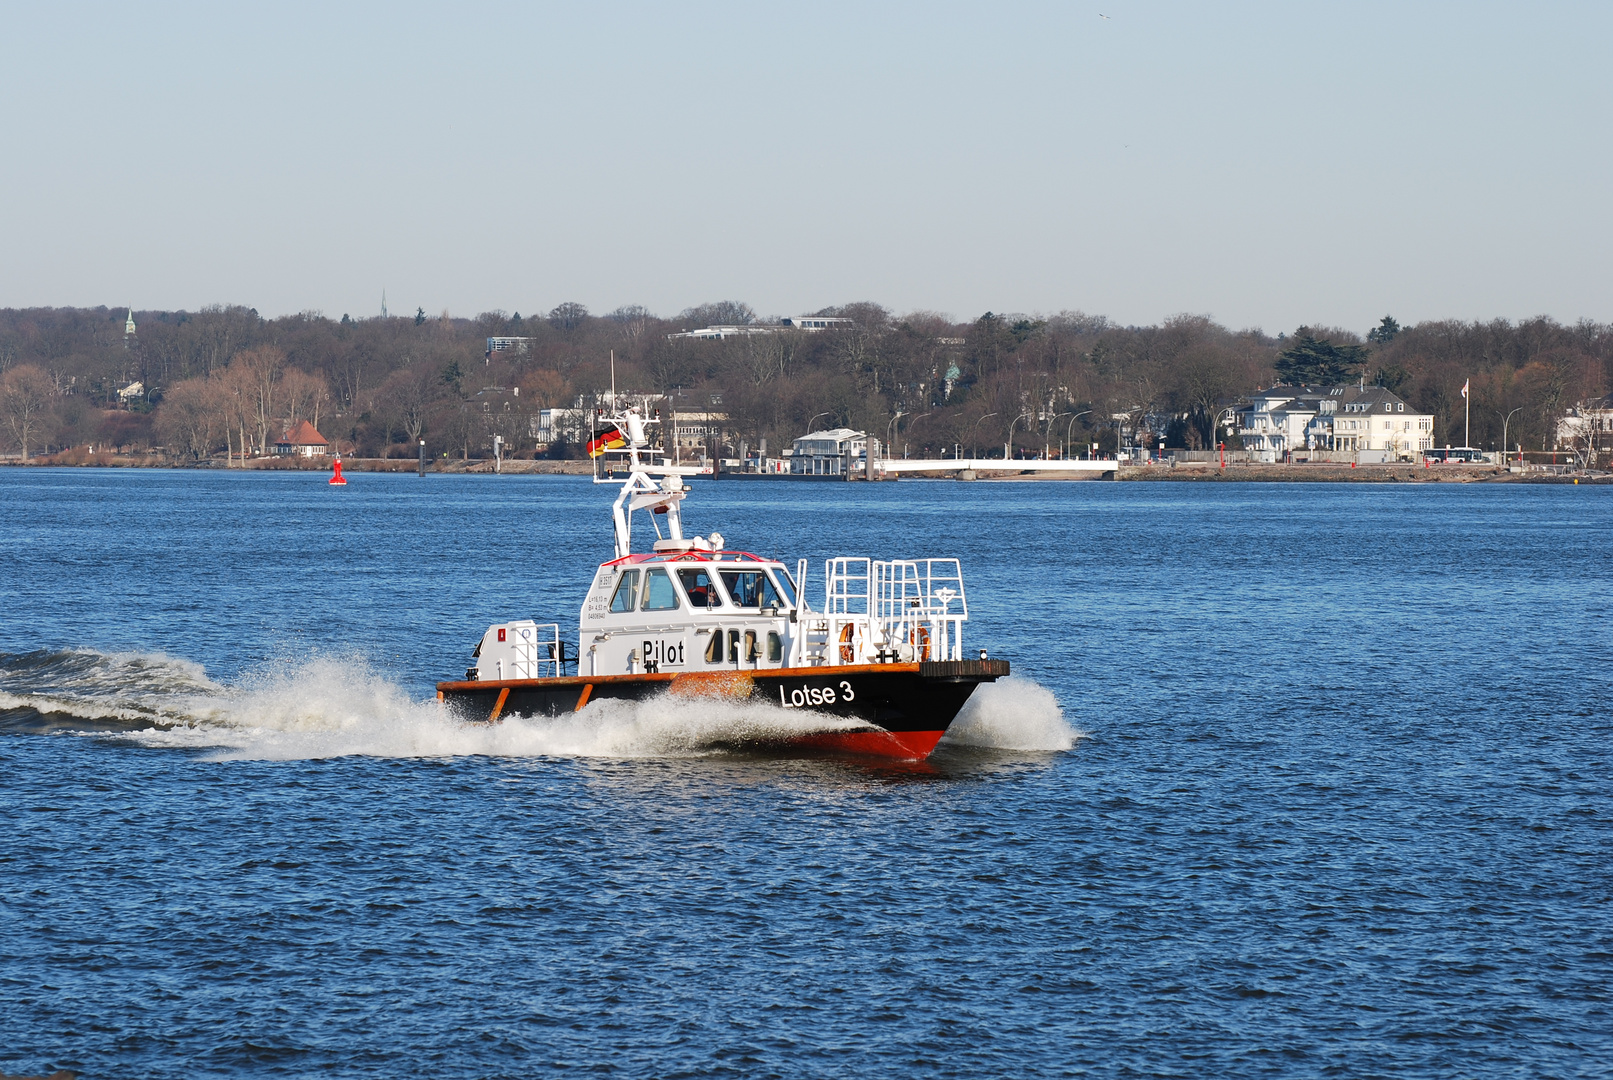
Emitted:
<point x="1587" y="428"/>
<point x="549" y="426"/>
<point x="827" y="453"/>
<point x="1351" y="419"/>
<point x="694" y="430"/>
<point x="518" y="345"/>
<point x="811" y="324"/>
<point x="815" y="322"/>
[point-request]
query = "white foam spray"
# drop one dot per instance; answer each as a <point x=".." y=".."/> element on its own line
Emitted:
<point x="330" y="708"/>
<point x="339" y="706"/>
<point x="1014" y="713"/>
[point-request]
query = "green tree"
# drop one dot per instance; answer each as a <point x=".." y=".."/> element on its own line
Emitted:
<point x="453" y="376"/>
<point x="1384" y="332"/>
<point x="1392" y="377"/>
<point x="1314" y="361"/>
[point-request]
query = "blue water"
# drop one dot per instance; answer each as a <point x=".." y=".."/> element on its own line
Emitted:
<point x="1339" y="805"/>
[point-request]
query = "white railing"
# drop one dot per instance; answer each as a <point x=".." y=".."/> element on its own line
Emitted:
<point x="877" y="612"/>
<point x="921" y="604"/>
<point x="536" y="650"/>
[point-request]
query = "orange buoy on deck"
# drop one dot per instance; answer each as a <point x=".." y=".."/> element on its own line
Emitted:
<point x="338" y="478"/>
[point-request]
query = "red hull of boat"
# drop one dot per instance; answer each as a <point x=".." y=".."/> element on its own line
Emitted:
<point x="897" y="745"/>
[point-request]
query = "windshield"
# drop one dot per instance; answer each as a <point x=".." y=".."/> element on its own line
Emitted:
<point x="659" y="595"/>
<point x="751" y="589"/>
<point x="785" y="583"/>
<point x="626" y="588"/>
<point x="700" y="589"/>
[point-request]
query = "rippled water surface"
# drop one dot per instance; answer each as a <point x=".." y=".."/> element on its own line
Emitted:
<point x="1291" y="780"/>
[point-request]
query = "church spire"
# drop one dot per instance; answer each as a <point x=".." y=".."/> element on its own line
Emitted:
<point x="128" y="326"/>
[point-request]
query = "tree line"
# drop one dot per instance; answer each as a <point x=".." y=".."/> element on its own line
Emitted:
<point x="225" y="381"/>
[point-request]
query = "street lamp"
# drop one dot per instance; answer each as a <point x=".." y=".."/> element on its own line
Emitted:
<point x="1504" y="424"/>
<point x="815" y="420"/>
<point x="1071" y="427"/>
<point x="1009" y="444"/>
<point x="1047" y="436"/>
<point x="982" y="420"/>
<point x="910" y="425"/>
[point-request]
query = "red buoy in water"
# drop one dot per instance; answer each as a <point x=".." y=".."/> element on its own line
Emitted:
<point x="338" y="478"/>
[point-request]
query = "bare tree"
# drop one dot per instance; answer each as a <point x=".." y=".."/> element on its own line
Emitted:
<point x="718" y="313"/>
<point x="407" y="396"/>
<point x="191" y="417"/>
<point x="544" y="388"/>
<point x="25" y="397"/>
<point x="634" y="319"/>
<point x="233" y="396"/>
<point x="303" y="396"/>
<point x="260" y="370"/>
<point x="568" y="316"/>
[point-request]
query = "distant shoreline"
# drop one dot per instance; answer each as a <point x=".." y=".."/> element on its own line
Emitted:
<point x="79" y="459"/>
<point x="1189" y="473"/>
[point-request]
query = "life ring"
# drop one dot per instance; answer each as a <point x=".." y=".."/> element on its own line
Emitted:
<point x="919" y="636"/>
<point x="848" y="650"/>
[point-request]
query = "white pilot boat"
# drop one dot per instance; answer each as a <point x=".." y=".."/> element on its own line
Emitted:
<point x="690" y="616"/>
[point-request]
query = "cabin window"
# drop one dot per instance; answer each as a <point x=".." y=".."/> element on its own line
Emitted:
<point x="700" y="589"/>
<point x="659" y="595"/>
<point x="753" y="650"/>
<point x="626" y="590"/>
<point x="714" y="648"/>
<point x="751" y="589"/>
<point x="733" y="645"/>
<point x="775" y="648"/>
<point x="786" y="586"/>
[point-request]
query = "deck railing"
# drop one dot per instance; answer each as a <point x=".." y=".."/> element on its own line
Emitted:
<point x="876" y="611"/>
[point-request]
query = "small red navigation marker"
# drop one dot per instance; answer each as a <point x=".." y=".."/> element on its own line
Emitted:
<point x="337" y="478"/>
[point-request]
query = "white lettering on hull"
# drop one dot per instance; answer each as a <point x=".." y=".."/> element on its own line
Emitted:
<point x="804" y="697"/>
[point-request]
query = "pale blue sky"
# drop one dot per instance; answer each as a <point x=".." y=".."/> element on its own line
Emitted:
<point x="1266" y="164"/>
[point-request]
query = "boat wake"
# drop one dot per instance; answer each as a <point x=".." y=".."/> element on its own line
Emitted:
<point x="334" y="707"/>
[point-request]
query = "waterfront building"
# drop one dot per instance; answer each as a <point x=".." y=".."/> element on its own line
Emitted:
<point x="550" y="426"/>
<point x="827" y="453"/>
<point x="1349" y="419"/>
<point x="302" y="441"/>
<point x="1587" y="427"/>
<point x="693" y="430"/>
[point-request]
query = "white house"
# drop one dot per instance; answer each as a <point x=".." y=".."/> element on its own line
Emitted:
<point x="549" y="426"/>
<point x="1351" y="419"/>
<point x="1587" y="427"/>
<point x="302" y="441"/>
<point x="826" y="453"/>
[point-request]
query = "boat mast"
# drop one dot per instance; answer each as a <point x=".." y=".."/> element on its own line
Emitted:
<point x="642" y="490"/>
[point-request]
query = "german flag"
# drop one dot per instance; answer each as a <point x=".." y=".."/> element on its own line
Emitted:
<point x="611" y="440"/>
